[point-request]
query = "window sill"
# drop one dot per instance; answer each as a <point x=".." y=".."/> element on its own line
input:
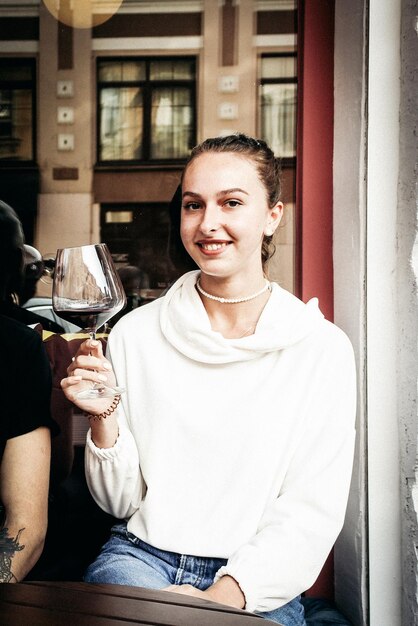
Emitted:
<point x="135" y="167"/>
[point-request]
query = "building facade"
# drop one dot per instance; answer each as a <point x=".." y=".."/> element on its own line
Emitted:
<point x="104" y="117"/>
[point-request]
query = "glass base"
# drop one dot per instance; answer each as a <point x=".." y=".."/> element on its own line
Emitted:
<point x="100" y="391"/>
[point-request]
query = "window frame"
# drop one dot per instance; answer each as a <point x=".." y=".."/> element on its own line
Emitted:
<point x="289" y="80"/>
<point x="147" y="85"/>
<point x="31" y="84"/>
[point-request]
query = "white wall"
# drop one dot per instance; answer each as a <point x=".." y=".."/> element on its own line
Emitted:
<point x="376" y="271"/>
<point x="382" y="423"/>
<point x="349" y="282"/>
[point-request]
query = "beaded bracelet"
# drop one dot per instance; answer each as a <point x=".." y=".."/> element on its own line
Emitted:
<point x="108" y="411"/>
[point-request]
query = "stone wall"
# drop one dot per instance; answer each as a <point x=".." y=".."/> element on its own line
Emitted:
<point x="408" y="308"/>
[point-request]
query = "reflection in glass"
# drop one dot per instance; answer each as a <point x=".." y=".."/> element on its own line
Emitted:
<point x="126" y="71"/>
<point x="171" y="123"/>
<point x="16" y="124"/>
<point x="172" y="70"/>
<point x="121" y="123"/>
<point x="279" y="66"/>
<point x="141" y="241"/>
<point x="278" y="118"/>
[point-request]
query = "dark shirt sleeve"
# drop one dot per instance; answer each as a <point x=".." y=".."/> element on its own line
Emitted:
<point x="30" y="392"/>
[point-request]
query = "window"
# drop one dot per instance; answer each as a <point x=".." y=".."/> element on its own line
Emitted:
<point x="147" y="109"/>
<point x="17" y="109"/>
<point x="278" y="95"/>
<point x="138" y="236"/>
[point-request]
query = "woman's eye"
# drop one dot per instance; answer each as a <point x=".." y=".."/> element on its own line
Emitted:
<point x="191" y="206"/>
<point x="233" y="203"/>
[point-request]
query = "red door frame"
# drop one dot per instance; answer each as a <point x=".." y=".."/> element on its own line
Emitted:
<point x="314" y="188"/>
<point x="314" y="177"/>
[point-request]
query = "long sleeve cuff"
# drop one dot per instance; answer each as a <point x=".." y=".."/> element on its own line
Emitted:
<point x="113" y="474"/>
<point x="250" y="599"/>
<point x="122" y="442"/>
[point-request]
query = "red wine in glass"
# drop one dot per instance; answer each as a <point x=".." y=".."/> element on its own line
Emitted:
<point x="87" y="291"/>
<point x="89" y="319"/>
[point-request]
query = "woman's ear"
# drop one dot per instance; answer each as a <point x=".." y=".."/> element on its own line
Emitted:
<point x="275" y="216"/>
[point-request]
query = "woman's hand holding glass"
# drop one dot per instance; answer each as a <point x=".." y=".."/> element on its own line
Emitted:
<point x="89" y="365"/>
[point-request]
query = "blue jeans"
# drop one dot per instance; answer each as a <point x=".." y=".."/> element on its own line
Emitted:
<point x="127" y="560"/>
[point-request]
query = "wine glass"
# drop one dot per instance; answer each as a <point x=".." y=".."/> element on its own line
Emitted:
<point x="87" y="291"/>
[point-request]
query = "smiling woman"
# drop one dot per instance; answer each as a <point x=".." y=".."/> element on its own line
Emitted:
<point x="227" y="213"/>
<point x="230" y="455"/>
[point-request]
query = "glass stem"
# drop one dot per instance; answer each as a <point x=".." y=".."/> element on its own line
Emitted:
<point x="92" y="334"/>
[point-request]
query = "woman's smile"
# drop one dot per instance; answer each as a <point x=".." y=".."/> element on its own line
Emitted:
<point x="211" y="247"/>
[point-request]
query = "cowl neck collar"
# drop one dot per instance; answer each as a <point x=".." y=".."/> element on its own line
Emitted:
<point x="284" y="321"/>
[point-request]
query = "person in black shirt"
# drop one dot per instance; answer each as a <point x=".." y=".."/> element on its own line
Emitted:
<point x="25" y="421"/>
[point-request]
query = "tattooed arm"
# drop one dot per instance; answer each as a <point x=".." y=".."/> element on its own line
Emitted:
<point x="24" y="481"/>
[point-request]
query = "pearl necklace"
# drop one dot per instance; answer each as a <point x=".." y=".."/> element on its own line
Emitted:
<point x="232" y="300"/>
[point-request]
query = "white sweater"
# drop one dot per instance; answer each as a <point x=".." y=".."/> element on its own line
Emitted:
<point x="233" y="448"/>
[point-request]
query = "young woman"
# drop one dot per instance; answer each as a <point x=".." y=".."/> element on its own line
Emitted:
<point x="230" y="455"/>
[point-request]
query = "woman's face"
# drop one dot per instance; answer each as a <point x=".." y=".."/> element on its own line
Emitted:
<point x="225" y="215"/>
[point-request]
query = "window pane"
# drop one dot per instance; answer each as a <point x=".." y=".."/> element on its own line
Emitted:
<point x="278" y="118"/>
<point x="278" y="67"/>
<point x="143" y="242"/>
<point x="171" y="123"/>
<point x="126" y="71"/>
<point x="16" y="72"/>
<point x="170" y="70"/>
<point x="119" y="217"/>
<point x="16" y="124"/>
<point x="121" y="114"/>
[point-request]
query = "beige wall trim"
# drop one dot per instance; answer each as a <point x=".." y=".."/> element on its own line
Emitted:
<point x="19" y="46"/>
<point x="275" y="5"/>
<point x="9" y="9"/>
<point x="267" y="41"/>
<point x="147" y="43"/>
<point x="150" y="6"/>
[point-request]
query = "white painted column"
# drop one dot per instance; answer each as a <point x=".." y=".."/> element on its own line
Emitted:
<point x="383" y="436"/>
<point x="349" y="251"/>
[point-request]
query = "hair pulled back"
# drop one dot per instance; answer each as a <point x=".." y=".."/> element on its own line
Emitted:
<point x="268" y="168"/>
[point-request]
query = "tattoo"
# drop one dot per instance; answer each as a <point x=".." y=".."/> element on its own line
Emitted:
<point x="8" y="547"/>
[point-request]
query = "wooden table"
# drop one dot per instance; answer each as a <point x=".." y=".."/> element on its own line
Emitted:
<point x="82" y="604"/>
